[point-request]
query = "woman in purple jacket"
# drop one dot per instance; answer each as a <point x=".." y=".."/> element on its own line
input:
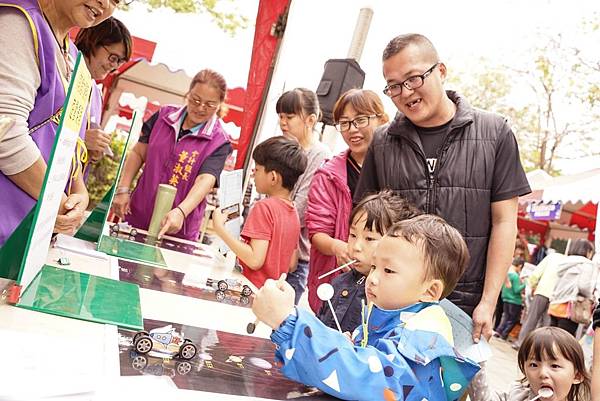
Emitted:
<point x="35" y="69"/>
<point x="185" y="147"/>
<point x="357" y="113"/>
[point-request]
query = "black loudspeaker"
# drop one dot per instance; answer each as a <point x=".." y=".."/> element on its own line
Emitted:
<point x="340" y="75"/>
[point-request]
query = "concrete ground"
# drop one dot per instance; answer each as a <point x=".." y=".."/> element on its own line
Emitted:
<point x="502" y="368"/>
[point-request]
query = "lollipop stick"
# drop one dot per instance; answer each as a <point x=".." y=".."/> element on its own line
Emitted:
<point x="337" y="323"/>
<point x="250" y="327"/>
<point x="336" y="269"/>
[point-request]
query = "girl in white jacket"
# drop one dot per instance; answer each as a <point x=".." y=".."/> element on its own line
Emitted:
<point x="550" y="359"/>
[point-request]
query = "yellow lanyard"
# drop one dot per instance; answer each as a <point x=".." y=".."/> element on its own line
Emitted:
<point x="365" y="322"/>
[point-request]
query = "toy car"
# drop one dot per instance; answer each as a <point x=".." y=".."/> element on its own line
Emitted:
<point x="231" y="285"/>
<point x="223" y="285"/>
<point x="159" y="366"/>
<point x="118" y="228"/>
<point x="165" y="340"/>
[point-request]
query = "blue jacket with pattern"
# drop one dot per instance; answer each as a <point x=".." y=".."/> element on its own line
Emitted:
<point x="404" y="355"/>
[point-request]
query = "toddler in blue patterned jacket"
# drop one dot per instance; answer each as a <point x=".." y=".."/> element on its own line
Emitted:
<point x="403" y="350"/>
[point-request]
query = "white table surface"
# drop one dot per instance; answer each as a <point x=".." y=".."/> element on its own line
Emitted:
<point x="52" y="356"/>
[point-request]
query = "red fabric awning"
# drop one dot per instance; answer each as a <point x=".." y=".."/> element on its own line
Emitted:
<point x="585" y="218"/>
<point x="264" y="53"/>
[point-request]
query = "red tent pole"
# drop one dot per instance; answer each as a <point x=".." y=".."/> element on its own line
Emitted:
<point x="270" y="25"/>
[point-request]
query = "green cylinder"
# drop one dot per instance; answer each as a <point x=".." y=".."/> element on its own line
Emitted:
<point x="162" y="205"/>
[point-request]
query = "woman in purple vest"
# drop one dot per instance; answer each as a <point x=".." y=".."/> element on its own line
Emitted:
<point x="185" y="147"/>
<point x="34" y="73"/>
<point x="105" y="47"/>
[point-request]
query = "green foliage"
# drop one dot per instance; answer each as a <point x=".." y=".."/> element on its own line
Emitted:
<point x="551" y="100"/>
<point x="228" y="21"/>
<point x="103" y="174"/>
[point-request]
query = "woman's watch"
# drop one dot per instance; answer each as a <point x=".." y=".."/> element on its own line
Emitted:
<point x="122" y="190"/>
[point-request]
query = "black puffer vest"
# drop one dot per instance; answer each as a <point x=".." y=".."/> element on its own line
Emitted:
<point x="460" y="188"/>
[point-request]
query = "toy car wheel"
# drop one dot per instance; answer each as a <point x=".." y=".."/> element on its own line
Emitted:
<point x="143" y="345"/>
<point x="183" y="368"/>
<point x="246" y="291"/>
<point x="222" y="285"/>
<point x="187" y="351"/>
<point x="139" y="362"/>
<point x="114" y="228"/>
<point x="220" y="295"/>
<point x="114" y="233"/>
<point x="138" y="334"/>
<point x="133" y="232"/>
<point x="244" y="300"/>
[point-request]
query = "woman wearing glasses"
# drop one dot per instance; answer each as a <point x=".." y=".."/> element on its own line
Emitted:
<point x="105" y="47"/>
<point x="185" y="147"/>
<point x="357" y="113"/>
<point x="35" y="69"/>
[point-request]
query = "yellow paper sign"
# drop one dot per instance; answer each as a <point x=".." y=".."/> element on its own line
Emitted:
<point x="82" y="85"/>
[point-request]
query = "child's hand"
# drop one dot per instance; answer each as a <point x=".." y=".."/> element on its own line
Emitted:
<point x="219" y="219"/>
<point x="342" y="256"/>
<point x="274" y="302"/>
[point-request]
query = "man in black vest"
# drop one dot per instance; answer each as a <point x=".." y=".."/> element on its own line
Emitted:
<point x="451" y="160"/>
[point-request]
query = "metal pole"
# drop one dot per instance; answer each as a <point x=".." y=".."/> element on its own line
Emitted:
<point x="360" y="33"/>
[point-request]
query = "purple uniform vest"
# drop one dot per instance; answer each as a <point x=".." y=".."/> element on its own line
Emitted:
<point x="50" y="96"/>
<point x="176" y="163"/>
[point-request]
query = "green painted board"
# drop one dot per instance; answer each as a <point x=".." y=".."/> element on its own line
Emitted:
<point x="83" y="296"/>
<point x="91" y="230"/>
<point x="131" y="250"/>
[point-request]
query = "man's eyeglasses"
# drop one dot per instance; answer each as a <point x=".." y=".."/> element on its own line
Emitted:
<point x="410" y="83"/>
<point x="122" y="2"/>
<point x="358" y="122"/>
<point x="115" y="58"/>
<point x="208" y="104"/>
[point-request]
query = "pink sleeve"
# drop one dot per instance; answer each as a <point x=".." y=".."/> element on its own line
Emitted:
<point x="320" y="212"/>
<point x="259" y="223"/>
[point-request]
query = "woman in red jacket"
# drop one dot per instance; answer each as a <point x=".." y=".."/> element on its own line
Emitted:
<point x="357" y="113"/>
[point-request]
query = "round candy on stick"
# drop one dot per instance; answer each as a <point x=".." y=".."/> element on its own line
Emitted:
<point x="325" y="292"/>
<point x="544" y="392"/>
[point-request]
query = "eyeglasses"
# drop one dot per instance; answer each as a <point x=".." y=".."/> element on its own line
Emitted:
<point x="411" y="83"/>
<point x="208" y="104"/>
<point x="122" y="2"/>
<point x="115" y="58"/>
<point x="358" y="122"/>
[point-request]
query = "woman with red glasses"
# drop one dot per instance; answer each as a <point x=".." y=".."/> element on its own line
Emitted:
<point x="185" y="147"/>
<point x="105" y="47"/>
<point x="357" y="114"/>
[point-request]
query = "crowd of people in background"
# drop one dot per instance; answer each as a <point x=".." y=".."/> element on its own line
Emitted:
<point x="421" y="208"/>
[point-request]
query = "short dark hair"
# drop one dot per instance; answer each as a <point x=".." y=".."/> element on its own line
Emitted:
<point x="581" y="247"/>
<point x="518" y="261"/>
<point x="543" y="343"/>
<point x="383" y="209"/>
<point x="284" y="156"/>
<point x="300" y="101"/>
<point x="401" y="42"/>
<point x="106" y="33"/>
<point x="444" y="250"/>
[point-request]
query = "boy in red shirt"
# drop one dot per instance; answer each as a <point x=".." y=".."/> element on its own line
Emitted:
<point x="270" y="236"/>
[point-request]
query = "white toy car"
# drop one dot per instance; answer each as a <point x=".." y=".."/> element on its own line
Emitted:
<point x="165" y="340"/>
